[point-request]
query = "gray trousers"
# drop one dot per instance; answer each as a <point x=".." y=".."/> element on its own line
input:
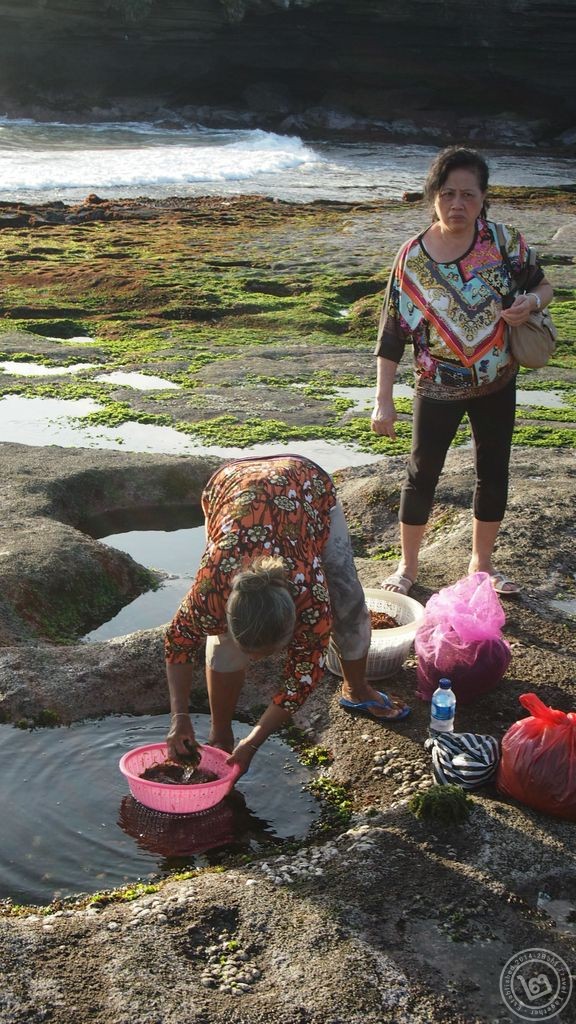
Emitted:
<point x="350" y="616"/>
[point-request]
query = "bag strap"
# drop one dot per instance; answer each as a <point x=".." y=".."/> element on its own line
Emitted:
<point x="502" y="246"/>
<point x="520" y="281"/>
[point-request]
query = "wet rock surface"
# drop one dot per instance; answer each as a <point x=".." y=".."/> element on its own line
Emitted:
<point x="387" y="919"/>
<point x="259" y="311"/>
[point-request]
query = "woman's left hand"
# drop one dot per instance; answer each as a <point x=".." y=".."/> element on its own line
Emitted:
<point x="520" y="310"/>
<point x="242" y="754"/>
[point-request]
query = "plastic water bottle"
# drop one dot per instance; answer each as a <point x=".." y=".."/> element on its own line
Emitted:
<point x="443" y="708"/>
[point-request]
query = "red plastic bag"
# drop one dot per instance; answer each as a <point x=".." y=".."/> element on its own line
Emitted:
<point x="460" y="638"/>
<point x="538" y="762"/>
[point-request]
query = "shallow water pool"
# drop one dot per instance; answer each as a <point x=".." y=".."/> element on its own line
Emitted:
<point x="71" y="826"/>
<point x="45" y="421"/>
<point x="175" y="552"/>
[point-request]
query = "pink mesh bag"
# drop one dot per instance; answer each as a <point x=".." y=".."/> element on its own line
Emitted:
<point x="460" y="638"/>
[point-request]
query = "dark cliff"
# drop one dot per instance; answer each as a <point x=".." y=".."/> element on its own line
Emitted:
<point x="291" y="61"/>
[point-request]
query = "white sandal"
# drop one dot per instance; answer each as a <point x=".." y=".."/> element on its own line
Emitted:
<point x="504" y="586"/>
<point x="398" y="583"/>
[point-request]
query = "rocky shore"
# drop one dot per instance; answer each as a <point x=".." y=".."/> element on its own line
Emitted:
<point x="239" y="302"/>
<point x="398" y="921"/>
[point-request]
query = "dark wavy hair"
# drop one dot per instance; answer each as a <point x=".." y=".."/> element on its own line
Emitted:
<point x="455" y="158"/>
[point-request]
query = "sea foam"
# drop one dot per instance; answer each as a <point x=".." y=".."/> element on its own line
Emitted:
<point x="45" y="161"/>
<point x="47" y="157"/>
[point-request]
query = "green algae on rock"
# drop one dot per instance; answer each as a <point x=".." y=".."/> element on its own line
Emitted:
<point x="259" y="311"/>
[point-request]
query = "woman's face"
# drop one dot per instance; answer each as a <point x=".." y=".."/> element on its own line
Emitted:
<point x="459" y="201"/>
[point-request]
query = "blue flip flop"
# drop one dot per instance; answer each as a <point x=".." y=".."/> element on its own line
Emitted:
<point x="363" y="708"/>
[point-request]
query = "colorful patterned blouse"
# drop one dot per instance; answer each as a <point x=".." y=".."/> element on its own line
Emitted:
<point x="450" y="313"/>
<point x="271" y="506"/>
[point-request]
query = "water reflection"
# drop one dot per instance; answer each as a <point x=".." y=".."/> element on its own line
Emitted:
<point x="174" y="548"/>
<point x="363" y="397"/>
<point x="177" y="836"/>
<point x="149" y="610"/>
<point x="138" y="381"/>
<point x="73" y="827"/>
<point x="566" y="606"/>
<point x="132" y="522"/>
<point x="22" y="369"/>
<point x="50" y="421"/>
<point x="562" y="911"/>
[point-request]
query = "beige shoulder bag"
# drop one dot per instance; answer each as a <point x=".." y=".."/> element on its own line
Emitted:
<point x="531" y="343"/>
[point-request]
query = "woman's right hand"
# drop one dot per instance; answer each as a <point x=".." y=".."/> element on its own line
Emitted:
<point x="384" y="416"/>
<point x="242" y="755"/>
<point x="181" y="741"/>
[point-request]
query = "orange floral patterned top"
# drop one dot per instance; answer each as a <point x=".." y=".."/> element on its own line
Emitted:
<point x="265" y="506"/>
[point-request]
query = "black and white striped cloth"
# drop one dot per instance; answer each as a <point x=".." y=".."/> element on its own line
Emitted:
<point x="463" y="758"/>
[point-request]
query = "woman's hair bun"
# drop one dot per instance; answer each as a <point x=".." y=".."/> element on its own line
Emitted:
<point x="266" y="571"/>
<point x="260" y="610"/>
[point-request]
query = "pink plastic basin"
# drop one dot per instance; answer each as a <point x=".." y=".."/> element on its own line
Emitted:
<point x="173" y="798"/>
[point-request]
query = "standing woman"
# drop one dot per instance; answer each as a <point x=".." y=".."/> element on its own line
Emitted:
<point x="446" y="297"/>
<point x="278" y="572"/>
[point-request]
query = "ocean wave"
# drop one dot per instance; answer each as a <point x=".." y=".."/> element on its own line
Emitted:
<point x="29" y="122"/>
<point x="42" y="161"/>
<point x="207" y="157"/>
<point x="29" y="125"/>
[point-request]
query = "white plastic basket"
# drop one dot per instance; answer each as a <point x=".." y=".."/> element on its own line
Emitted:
<point x="389" y="648"/>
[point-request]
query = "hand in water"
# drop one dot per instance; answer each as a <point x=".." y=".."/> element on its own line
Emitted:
<point x="192" y="755"/>
<point x="242" y="754"/>
<point x="181" y="741"/>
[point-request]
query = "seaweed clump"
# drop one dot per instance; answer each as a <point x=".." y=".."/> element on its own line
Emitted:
<point x="169" y="773"/>
<point x="447" y="805"/>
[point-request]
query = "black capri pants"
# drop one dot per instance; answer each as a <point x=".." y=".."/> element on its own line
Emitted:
<point x="434" y="428"/>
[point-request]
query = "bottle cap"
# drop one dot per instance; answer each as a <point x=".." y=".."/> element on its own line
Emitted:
<point x="445" y="683"/>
